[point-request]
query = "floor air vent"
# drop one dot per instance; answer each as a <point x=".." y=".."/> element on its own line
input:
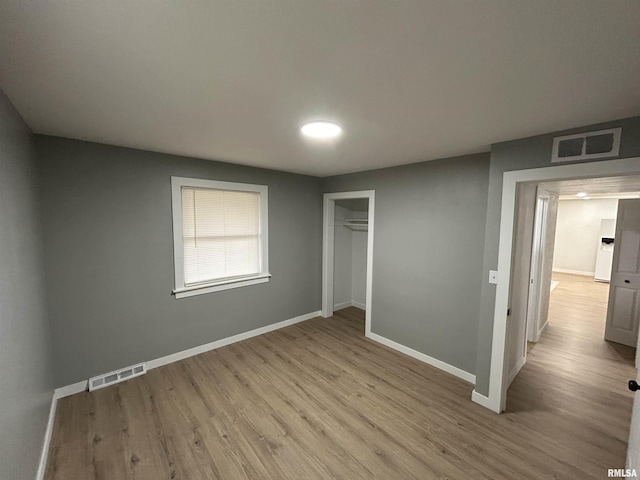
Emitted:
<point x="583" y="146"/>
<point x="118" y="376"/>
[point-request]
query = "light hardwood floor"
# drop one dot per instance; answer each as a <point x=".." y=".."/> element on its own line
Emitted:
<point x="317" y="400"/>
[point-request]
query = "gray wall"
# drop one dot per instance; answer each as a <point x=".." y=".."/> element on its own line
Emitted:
<point x="26" y="383"/>
<point x="342" y="259"/>
<point x="109" y="256"/>
<point x="532" y="152"/>
<point x="427" y="254"/>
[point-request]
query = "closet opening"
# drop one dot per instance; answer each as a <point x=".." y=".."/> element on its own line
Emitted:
<point x="348" y="253"/>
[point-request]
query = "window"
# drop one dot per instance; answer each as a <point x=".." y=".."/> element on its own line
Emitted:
<point x="219" y="235"/>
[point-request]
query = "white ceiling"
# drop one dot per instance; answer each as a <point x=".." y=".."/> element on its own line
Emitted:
<point x="233" y="80"/>
<point x="604" y="187"/>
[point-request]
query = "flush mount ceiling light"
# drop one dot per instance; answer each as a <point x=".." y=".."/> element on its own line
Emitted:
<point x="321" y="129"/>
<point x="581" y="194"/>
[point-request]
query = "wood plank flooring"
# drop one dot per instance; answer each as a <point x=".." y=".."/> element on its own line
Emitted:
<point x="317" y="400"/>
<point x="576" y="381"/>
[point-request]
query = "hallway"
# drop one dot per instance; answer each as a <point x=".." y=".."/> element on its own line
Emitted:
<point x="574" y="375"/>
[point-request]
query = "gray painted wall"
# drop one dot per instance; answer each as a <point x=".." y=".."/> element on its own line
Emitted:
<point x="25" y="367"/>
<point x="109" y="256"/>
<point x="342" y="256"/>
<point x="532" y="152"/>
<point x="427" y="254"/>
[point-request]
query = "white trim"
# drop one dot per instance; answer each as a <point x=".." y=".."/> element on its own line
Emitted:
<point x="44" y="455"/>
<point x="369" y="286"/>
<point x="71" y="389"/>
<point x="349" y="303"/>
<point x="359" y="305"/>
<point x="630" y="166"/>
<point x="340" y="306"/>
<point x="158" y="362"/>
<point x="481" y="400"/>
<point x="538" y="254"/>
<point x="539" y="333"/>
<point x="174" y="357"/>
<point x="574" y="272"/>
<point x="328" y="233"/>
<point x="180" y="289"/>
<point x="220" y="286"/>
<point x="328" y="228"/>
<point x="434" y="362"/>
<point x="516" y="369"/>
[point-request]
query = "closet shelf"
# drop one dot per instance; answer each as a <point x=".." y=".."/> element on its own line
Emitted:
<point x="360" y="224"/>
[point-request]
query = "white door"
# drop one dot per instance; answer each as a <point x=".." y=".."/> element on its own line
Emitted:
<point x="623" y="310"/>
<point x="535" y="280"/>
<point x="633" y="450"/>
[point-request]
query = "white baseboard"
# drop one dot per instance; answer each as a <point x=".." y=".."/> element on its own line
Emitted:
<point x="174" y="357"/>
<point x="516" y="369"/>
<point x="71" y="389"/>
<point x="483" y="401"/>
<point x="44" y="455"/>
<point x="575" y="272"/>
<point x="434" y="362"/>
<point x="340" y="306"/>
<point x="539" y="334"/>
<point x="158" y="362"/>
<point x="351" y="303"/>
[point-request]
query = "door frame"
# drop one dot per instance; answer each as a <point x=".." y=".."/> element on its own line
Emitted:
<point x="328" y="231"/>
<point x="538" y="253"/>
<point x="497" y="397"/>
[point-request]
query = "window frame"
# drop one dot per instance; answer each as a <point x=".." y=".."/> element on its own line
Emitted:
<point x="180" y="289"/>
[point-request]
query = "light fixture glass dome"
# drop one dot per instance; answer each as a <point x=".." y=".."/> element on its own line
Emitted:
<point x="321" y="129"/>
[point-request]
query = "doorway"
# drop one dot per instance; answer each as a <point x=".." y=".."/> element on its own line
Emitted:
<point x="348" y="229"/>
<point x="568" y="227"/>
<point x="572" y="230"/>
<point x="568" y="240"/>
<point x="496" y="399"/>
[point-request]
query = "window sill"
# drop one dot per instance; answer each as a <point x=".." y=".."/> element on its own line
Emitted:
<point x="219" y="286"/>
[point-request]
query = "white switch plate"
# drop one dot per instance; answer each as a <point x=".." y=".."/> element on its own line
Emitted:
<point x="493" y="277"/>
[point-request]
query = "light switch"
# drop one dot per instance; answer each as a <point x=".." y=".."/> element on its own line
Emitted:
<point x="493" y="277"/>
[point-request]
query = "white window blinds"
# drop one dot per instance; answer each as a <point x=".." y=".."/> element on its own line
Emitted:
<point x="220" y="233"/>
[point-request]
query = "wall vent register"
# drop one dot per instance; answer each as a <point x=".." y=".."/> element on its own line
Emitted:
<point x="118" y="376"/>
<point x="584" y="146"/>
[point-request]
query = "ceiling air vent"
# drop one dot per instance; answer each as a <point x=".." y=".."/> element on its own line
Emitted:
<point x="584" y="146"/>
<point x="116" y="377"/>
